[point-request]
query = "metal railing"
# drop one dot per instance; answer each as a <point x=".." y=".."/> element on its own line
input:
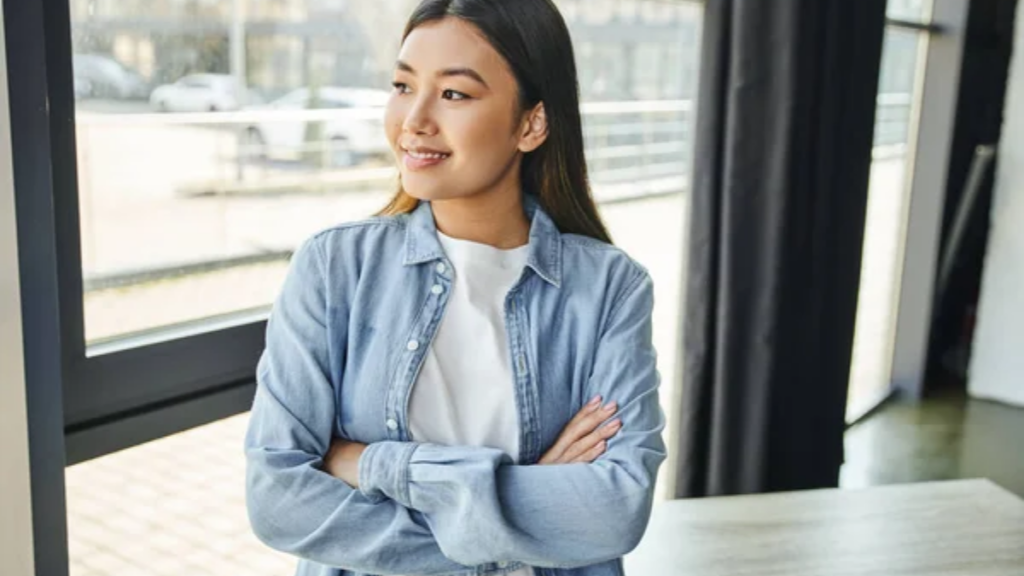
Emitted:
<point x="635" y="150"/>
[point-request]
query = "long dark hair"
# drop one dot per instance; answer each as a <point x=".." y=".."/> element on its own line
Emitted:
<point x="533" y="39"/>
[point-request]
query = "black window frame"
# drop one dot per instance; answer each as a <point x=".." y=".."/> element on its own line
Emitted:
<point x="125" y="395"/>
<point x="128" y="394"/>
<point x="121" y="394"/>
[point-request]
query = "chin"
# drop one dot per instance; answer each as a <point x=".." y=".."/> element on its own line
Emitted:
<point x="427" y="190"/>
<point x="425" y="193"/>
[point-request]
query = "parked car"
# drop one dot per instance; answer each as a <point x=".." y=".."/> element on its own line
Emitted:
<point x="82" y="87"/>
<point x="348" y="140"/>
<point x="99" y="76"/>
<point x="198" y="93"/>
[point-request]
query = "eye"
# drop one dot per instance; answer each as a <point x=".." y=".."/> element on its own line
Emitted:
<point x="401" y="87"/>
<point x="454" y="95"/>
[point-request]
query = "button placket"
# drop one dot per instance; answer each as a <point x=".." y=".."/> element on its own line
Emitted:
<point x="428" y="318"/>
<point x="525" y="380"/>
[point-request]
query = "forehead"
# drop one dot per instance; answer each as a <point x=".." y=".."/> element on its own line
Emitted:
<point x="452" y="42"/>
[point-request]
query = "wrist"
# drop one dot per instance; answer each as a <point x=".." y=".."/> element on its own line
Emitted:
<point x="383" y="470"/>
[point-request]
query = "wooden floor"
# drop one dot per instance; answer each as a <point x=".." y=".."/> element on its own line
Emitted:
<point x="945" y="437"/>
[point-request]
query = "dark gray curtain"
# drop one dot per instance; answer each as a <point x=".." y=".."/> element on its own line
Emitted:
<point x="784" y="136"/>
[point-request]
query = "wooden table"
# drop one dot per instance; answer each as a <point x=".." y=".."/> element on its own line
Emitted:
<point x="969" y="527"/>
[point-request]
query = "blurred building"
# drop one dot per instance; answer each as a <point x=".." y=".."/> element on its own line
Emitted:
<point x="625" y="48"/>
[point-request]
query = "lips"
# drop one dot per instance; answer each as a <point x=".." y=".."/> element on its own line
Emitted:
<point x="419" y="158"/>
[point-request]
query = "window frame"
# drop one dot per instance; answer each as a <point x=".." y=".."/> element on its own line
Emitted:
<point x="927" y="168"/>
<point x="943" y="30"/>
<point x="112" y="391"/>
<point x="132" y="390"/>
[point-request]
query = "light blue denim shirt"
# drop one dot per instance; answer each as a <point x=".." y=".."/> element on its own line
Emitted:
<point x="345" y="341"/>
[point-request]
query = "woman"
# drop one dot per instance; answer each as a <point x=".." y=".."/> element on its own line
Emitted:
<point x="466" y="382"/>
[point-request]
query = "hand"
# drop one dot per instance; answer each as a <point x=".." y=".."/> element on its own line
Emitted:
<point x="581" y="440"/>
<point x="342" y="460"/>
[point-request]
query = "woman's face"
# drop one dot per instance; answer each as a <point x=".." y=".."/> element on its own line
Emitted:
<point x="453" y="118"/>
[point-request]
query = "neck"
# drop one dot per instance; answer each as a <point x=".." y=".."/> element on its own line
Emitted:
<point x="495" y="218"/>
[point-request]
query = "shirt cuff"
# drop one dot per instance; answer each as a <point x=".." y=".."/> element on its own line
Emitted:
<point x="384" y="471"/>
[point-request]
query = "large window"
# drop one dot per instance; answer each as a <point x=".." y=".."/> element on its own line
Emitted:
<point x="899" y="97"/>
<point x="210" y="139"/>
<point x="208" y="149"/>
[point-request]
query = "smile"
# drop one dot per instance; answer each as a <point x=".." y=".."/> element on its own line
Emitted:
<point x="418" y="160"/>
<point x="426" y="155"/>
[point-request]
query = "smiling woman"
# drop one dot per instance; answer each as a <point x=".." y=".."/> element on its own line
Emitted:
<point x="456" y="135"/>
<point x="479" y="97"/>
<point x="438" y="393"/>
<point x="186" y="221"/>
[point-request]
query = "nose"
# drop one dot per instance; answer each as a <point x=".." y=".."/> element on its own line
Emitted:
<point x="419" y="118"/>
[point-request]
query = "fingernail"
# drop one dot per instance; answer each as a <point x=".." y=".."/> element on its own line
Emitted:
<point x="594" y="401"/>
<point x="610" y="407"/>
<point x="615" y="424"/>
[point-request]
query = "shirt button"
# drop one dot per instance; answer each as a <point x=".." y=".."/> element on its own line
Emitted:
<point x="413" y="345"/>
<point x="437" y="289"/>
<point x="441" y="268"/>
<point x="392" y="424"/>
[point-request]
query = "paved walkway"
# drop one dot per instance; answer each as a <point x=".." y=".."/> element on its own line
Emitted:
<point x="173" y="507"/>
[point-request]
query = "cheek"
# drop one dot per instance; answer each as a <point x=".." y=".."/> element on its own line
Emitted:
<point x="481" y="135"/>
<point x="394" y="117"/>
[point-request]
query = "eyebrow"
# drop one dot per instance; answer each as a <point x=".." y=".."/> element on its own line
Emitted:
<point x="447" y="72"/>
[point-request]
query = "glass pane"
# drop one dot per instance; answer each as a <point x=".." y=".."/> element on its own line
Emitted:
<point x="192" y="190"/>
<point x="193" y="193"/>
<point x="192" y="200"/>
<point x="910" y="10"/>
<point x="885" y="224"/>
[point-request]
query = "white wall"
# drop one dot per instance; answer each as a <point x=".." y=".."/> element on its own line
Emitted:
<point x="16" y="556"/>
<point x="997" y="362"/>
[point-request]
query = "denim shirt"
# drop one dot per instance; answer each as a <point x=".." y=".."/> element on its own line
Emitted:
<point x="345" y="340"/>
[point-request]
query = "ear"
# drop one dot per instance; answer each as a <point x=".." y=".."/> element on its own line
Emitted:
<point x="534" y="130"/>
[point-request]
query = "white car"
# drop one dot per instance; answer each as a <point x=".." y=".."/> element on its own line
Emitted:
<point x="198" y="93"/>
<point x="100" y="76"/>
<point x="343" y="141"/>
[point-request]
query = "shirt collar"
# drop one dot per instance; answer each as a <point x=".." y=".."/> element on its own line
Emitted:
<point x="544" y="254"/>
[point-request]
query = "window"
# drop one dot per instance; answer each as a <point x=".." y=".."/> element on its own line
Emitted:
<point x="187" y="220"/>
<point x="899" y="97"/>
<point x="910" y="10"/>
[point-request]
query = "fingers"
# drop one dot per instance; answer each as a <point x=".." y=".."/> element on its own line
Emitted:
<point x="584" y="439"/>
<point x="570" y="433"/>
<point x="587" y="420"/>
<point x="586" y="444"/>
<point x="579" y="419"/>
<point x="584" y="422"/>
<point x="592" y="454"/>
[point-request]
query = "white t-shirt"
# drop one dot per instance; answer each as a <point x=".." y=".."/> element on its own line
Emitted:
<point x="464" y="394"/>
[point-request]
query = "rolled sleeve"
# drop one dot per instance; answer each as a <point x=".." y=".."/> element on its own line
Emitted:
<point x="384" y="471"/>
